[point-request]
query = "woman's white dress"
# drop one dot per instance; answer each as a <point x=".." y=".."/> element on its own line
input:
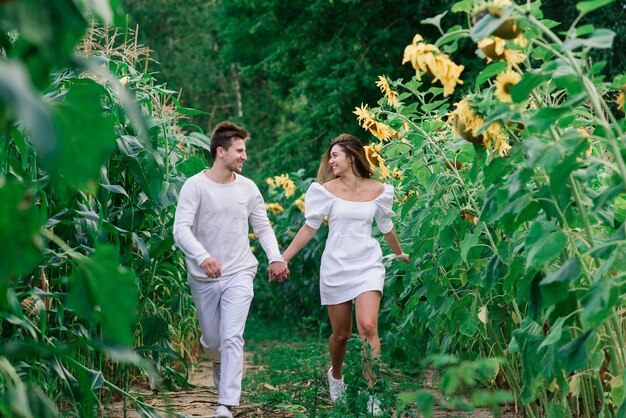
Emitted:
<point x="352" y="260"/>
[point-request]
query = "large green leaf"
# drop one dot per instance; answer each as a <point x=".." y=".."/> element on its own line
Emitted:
<point x="540" y="364"/>
<point x="600" y="38"/>
<point x="155" y="329"/>
<point x="530" y="80"/>
<point x="589" y="6"/>
<point x="47" y="37"/>
<point x="490" y="71"/>
<point x="554" y="286"/>
<point x="546" y="117"/>
<point x="574" y="354"/>
<point x="20" y="222"/>
<point x="17" y="91"/>
<point x="27" y="401"/>
<point x="555" y="333"/>
<point x="495" y="271"/>
<point x="599" y="301"/>
<point x="85" y="136"/>
<point x="487" y="25"/>
<point x="103" y="291"/>
<point x="470" y="240"/>
<point x="544" y="243"/>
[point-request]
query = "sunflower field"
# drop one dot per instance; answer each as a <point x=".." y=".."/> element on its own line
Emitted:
<point x="510" y="200"/>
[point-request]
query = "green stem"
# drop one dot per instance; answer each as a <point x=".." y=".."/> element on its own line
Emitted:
<point x="451" y="34"/>
<point x="620" y="338"/>
<point x="612" y="140"/>
<point x="510" y="375"/>
<point x="586" y="396"/>
<point x="581" y="210"/>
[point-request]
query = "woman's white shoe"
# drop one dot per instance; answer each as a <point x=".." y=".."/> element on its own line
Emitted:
<point x="373" y="407"/>
<point x="336" y="387"/>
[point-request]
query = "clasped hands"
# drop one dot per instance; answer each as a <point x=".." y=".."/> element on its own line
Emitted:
<point x="278" y="271"/>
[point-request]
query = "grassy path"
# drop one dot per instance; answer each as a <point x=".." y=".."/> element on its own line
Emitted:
<point x="285" y="377"/>
<point x="288" y="379"/>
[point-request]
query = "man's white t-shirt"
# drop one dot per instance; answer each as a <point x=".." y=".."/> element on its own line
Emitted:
<point x="212" y="221"/>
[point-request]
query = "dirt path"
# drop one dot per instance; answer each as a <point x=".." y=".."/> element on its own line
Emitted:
<point x="201" y="400"/>
<point x="198" y="401"/>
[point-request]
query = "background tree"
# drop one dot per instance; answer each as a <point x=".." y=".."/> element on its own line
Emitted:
<point x="300" y="67"/>
<point x="292" y="72"/>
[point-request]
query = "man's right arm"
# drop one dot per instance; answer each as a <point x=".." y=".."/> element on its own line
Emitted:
<point x="186" y="209"/>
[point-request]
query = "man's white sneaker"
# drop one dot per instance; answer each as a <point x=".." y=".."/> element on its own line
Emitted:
<point x="217" y="371"/>
<point x="373" y="407"/>
<point x="336" y="387"/>
<point x="223" y="412"/>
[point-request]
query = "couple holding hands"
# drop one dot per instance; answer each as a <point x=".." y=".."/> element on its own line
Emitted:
<point x="214" y="210"/>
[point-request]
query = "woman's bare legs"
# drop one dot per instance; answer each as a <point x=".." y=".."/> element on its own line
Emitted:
<point x="341" y="324"/>
<point x="367" y="308"/>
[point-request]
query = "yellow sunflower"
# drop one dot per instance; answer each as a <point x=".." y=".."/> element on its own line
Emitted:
<point x="620" y="98"/>
<point x="383" y="132"/>
<point x="365" y="118"/>
<point x="275" y="208"/>
<point x="373" y="156"/>
<point x="504" y="82"/>
<point x="392" y="96"/>
<point x="367" y="121"/>
<point x="377" y="162"/>
<point x="396" y="174"/>
<point x="427" y="59"/>
<point x="283" y="181"/>
<point x="299" y="203"/>
<point x="466" y="123"/>
<point x="495" y="49"/>
<point x="495" y="138"/>
<point x="509" y="29"/>
<point x="409" y="194"/>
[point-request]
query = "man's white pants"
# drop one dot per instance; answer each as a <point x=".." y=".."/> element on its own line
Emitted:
<point x="222" y="306"/>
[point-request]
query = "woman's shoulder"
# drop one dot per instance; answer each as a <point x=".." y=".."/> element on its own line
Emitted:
<point x="330" y="186"/>
<point x="377" y="187"/>
<point x="319" y="190"/>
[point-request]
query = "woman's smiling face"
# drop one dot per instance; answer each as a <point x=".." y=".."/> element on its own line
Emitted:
<point x="339" y="161"/>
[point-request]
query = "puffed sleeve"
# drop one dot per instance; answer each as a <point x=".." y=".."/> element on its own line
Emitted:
<point x="384" y="212"/>
<point x="317" y="203"/>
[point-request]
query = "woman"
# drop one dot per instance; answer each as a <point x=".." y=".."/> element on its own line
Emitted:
<point x="352" y="271"/>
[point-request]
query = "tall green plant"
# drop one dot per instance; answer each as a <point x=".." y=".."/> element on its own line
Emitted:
<point x="93" y="152"/>
<point x="513" y="205"/>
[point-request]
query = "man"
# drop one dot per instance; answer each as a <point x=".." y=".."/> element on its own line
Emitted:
<point x="211" y="228"/>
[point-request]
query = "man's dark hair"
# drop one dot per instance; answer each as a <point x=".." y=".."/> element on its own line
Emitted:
<point x="223" y="136"/>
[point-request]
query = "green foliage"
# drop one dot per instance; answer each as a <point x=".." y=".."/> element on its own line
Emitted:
<point x="291" y="72"/>
<point x="294" y="380"/>
<point x="302" y="287"/>
<point x="90" y="148"/>
<point x="20" y="221"/>
<point x="515" y="250"/>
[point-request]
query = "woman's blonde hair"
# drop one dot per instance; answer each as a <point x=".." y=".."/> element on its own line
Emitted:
<point x="354" y="149"/>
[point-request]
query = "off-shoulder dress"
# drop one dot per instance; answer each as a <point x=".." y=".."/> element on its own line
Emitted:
<point x="352" y="259"/>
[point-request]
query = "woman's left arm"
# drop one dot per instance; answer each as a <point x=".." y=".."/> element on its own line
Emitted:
<point x="394" y="244"/>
